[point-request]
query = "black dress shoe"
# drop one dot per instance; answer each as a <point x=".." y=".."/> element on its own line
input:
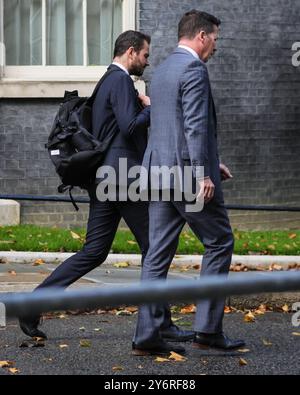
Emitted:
<point x="29" y="326"/>
<point x="218" y="341"/>
<point x="158" y="348"/>
<point x="175" y="334"/>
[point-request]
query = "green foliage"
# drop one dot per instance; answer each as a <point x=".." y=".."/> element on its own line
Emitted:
<point x="40" y="239"/>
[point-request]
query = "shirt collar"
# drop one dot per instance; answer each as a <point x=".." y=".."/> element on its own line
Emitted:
<point x="194" y="53"/>
<point x="121" y="67"/>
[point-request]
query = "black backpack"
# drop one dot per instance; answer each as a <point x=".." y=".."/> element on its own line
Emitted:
<point x="74" y="151"/>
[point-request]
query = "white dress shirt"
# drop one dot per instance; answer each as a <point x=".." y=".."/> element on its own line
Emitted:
<point x="194" y="53"/>
<point x="121" y="67"/>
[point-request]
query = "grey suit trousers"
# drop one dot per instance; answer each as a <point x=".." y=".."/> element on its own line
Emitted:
<point x="212" y="227"/>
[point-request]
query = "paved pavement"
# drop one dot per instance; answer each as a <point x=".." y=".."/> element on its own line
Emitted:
<point x="101" y="345"/>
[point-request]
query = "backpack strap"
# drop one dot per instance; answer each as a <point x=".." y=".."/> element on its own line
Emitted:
<point x="63" y="188"/>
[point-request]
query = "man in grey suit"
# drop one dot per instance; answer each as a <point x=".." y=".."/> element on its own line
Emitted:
<point x="183" y="133"/>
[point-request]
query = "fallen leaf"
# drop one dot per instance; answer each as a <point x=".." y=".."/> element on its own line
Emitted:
<point x="196" y="267"/>
<point x="261" y="310"/>
<point x="243" y="362"/>
<point x="177" y="357"/>
<point x="97" y="330"/>
<point x="249" y="317"/>
<point x="227" y="310"/>
<point x="140" y="367"/>
<point x="124" y="313"/>
<point x="6" y="364"/>
<point x="275" y="267"/>
<point x="132" y="309"/>
<point x="12" y="273"/>
<point x="296" y="333"/>
<point x="131" y="242"/>
<point x="117" y="368"/>
<point x="244" y="350"/>
<point x="63" y="346"/>
<point x="62" y="316"/>
<point x="266" y="343"/>
<point x="121" y="265"/>
<point x="75" y="236"/>
<point x="188" y="309"/>
<point x="185" y="268"/>
<point x="85" y="343"/>
<point x="285" y="308"/>
<point x="292" y="236"/>
<point x="13" y="370"/>
<point x="82" y="329"/>
<point x="159" y="359"/>
<point x="39" y="262"/>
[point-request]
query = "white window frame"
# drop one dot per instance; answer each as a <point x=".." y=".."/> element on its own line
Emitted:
<point x="47" y="81"/>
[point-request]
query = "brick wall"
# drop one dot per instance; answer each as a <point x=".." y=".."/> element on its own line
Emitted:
<point x="25" y="167"/>
<point x="257" y="94"/>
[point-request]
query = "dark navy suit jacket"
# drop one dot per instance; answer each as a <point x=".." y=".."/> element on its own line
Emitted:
<point x="117" y="106"/>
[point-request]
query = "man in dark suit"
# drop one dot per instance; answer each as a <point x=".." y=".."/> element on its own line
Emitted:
<point x="184" y="133"/>
<point x="117" y="106"/>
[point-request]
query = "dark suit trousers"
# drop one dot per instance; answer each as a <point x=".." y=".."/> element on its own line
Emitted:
<point x="212" y="227"/>
<point x="104" y="218"/>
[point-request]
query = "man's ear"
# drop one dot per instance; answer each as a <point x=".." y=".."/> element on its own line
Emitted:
<point x="201" y="36"/>
<point x="130" y="51"/>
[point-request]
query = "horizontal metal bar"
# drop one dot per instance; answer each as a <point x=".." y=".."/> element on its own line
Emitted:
<point x="42" y="301"/>
<point x="65" y="199"/>
<point x="62" y="199"/>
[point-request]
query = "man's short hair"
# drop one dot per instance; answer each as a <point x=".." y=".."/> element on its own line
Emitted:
<point x="194" y="21"/>
<point x="129" y="39"/>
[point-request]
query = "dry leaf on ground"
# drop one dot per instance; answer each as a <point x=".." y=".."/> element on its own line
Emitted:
<point x="160" y="360"/>
<point x="39" y="262"/>
<point x="85" y="343"/>
<point x="243" y="362"/>
<point x="249" y="317"/>
<point x="117" y="368"/>
<point x="188" y="309"/>
<point x="121" y="265"/>
<point x="63" y="346"/>
<point x="6" y="364"/>
<point x="285" y="308"/>
<point x="292" y="236"/>
<point x="267" y="343"/>
<point x="75" y="236"/>
<point x="13" y="370"/>
<point x="177" y="357"/>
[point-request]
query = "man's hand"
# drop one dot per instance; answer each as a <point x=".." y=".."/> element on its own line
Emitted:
<point x="207" y="190"/>
<point x="145" y="100"/>
<point x="225" y="172"/>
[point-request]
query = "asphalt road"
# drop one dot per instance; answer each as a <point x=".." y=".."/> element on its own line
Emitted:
<point x="101" y="345"/>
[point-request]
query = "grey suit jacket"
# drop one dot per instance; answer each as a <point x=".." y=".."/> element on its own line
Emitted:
<point x="183" y="118"/>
